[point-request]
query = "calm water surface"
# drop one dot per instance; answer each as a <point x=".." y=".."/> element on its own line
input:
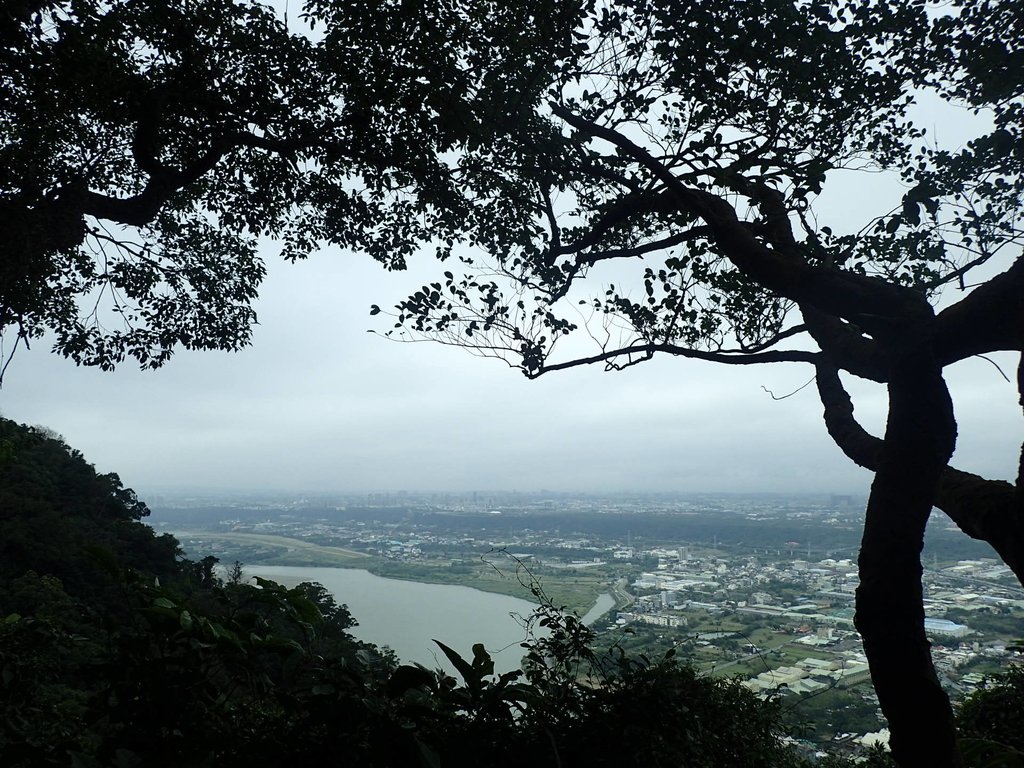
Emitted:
<point x="407" y="615"/>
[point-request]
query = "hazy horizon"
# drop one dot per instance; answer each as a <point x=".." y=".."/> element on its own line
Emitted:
<point x="292" y="493"/>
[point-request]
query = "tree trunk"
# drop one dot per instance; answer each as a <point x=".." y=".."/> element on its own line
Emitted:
<point x="987" y="510"/>
<point x="919" y="439"/>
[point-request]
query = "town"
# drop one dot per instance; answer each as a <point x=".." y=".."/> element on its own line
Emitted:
<point x="758" y="588"/>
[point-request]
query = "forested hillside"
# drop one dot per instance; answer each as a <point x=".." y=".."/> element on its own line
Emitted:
<point x="54" y="508"/>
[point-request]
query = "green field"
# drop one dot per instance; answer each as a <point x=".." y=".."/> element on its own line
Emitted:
<point x="575" y="590"/>
<point x="282" y="550"/>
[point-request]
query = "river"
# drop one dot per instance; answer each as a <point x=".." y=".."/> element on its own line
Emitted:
<point x="407" y="616"/>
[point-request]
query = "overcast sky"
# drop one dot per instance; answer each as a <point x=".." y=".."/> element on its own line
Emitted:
<point x="319" y="404"/>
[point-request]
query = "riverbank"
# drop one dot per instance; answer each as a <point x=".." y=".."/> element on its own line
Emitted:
<point x="575" y="590"/>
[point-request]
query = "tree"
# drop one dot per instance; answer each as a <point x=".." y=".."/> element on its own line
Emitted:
<point x="993" y="712"/>
<point x="682" y="153"/>
<point x="63" y="519"/>
<point x="146" y="145"/>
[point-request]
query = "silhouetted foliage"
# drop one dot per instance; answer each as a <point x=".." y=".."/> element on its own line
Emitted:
<point x="992" y="716"/>
<point x="145" y="147"/>
<point x="62" y="518"/>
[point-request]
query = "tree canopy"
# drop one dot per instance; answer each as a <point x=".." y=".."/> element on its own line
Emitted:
<point x="146" y="146"/>
<point x="670" y="207"/>
<point x="642" y="175"/>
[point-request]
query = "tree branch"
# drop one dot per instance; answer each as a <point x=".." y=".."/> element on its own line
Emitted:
<point x="549" y="211"/>
<point x="957" y="274"/>
<point x="989" y="319"/>
<point x="860" y="446"/>
<point x="845" y="345"/>
<point x="983" y="509"/>
<point x="142" y="208"/>
<point x="866" y="300"/>
<point x="164" y="181"/>
<point x="620" y="212"/>
<point x="639" y="250"/>
<point x="795" y="330"/>
<point x="640" y="352"/>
